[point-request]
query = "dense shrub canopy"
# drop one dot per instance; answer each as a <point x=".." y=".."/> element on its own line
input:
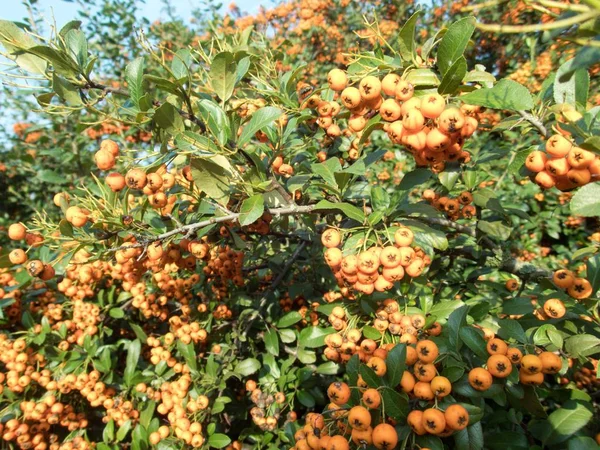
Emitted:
<point x="329" y="225"/>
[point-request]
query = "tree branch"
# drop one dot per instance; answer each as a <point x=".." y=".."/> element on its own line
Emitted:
<point x="537" y="123"/>
<point x="190" y="228"/>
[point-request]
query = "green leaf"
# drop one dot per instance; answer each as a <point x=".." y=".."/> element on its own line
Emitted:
<point x="454" y="43"/>
<point x="512" y="329"/>
<point x="211" y="176"/>
<point x="475" y="341"/>
<point x="422" y="77"/>
<point x="313" y="337"/>
<point x="582" y="345"/>
<point x="414" y="178"/>
<point x="116" y="313"/>
<point x="13" y="39"/>
<point x="167" y="117"/>
<point x="180" y="66"/>
<point x="247" y="367"/>
<point x="261" y="118"/>
<point x="449" y="177"/>
<point x="134" y="75"/>
<point x="328" y="368"/>
<point x="586" y="201"/>
<point x="395" y="403"/>
<point x="289" y="319"/>
<point x="571" y="86"/>
<point x="593" y="273"/>
<point x="222" y="75"/>
<point x="396" y="364"/>
<point x="77" y="44"/>
<point x="430" y="442"/>
<point x="61" y="63"/>
<point x="369" y="376"/>
<point x="453" y="77"/>
<point x="123" y="431"/>
<point x="49" y="176"/>
<point x="189" y="354"/>
<point x="567" y="420"/>
<point x="66" y="91"/>
<point x="456" y="321"/>
<point x="219" y="440"/>
<point x="425" y="235"/>
<point x="581" y="443"/>
<point x="326" y="170"/>
<point x="139" y="332"/>
<point x="496" y="230"/>
<point x="272" y="342"/>
<point x="506" y="94"/>
<point x="251" y="210"/>
<point x="406" y="38"/>
<point x="215" y="119"/>
<point x="349" y="210"/>
<point x="131" y="363"/>
<point x="471" y="438"/>
<point x="108" y="435"/>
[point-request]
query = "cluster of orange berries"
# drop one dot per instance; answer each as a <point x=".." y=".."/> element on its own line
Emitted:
<point x="378" y="268"/>
<point x="343" y="345"/>
<point x="12" y="294"/>
<point x="431" y="131"/>
<point x="454" y="208"/>
<point x="223" y="264"/>
<point x="563" y="165"/>
<point x="159" y="351"/>
<point x="105" y="129"/>
<point x="500" y="365"/>
<point x="281" y="168"/>
<point x="37" y="436"/>
<point x="36" y="268"/>
<point x="577" y="287"/>
<point x="356" y="423"/>
<point x="267" y="411"/>
<point x="172" y="396"/>
<point x="586" y="377"/>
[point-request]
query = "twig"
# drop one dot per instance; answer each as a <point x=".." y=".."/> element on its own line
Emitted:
<point x="537" y="123"/>
<point x="189" y="228"/>
<point x="533" y="28"/>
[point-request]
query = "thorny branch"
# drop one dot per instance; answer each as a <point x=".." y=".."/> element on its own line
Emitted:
<point x="537" y="123"/>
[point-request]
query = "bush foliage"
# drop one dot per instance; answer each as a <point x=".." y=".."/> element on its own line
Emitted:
<point x="329" y="225"/>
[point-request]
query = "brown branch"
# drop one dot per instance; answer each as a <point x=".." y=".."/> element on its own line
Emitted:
<point x="190" y="228"/>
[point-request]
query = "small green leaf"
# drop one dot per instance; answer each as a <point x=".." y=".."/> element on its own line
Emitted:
<point x="247" y="367"/>
<point x="506" y="94"/>
<point x="406" y="38"/>
<point x="313" y="337"/>
<point x="414" y="178"/>
<point x="454" y="43"/>
<point x="167" y="117"/>
<point x="289" y="319"/>
<point x="453" y="77"/>
<point x="586" y="201"/>
<point x="272" y="342"/>
<point x="261" y="118"/>
<point x="218" y="440"/>
<point x="251" y="210"/>
<point x="14" y="39"/>
<point x="134" y="75"/>
<point x="369" y="376"/>
<point x="567" y="420"/>
<point x="349" y="210"/>
<point x="222" y="75"/>
<point x="475" y="341"/>
<point x="582" y="345"/>
<point x="395" y="403"/>
<point x="396" y="364"/>
<point x="131" y="363"/>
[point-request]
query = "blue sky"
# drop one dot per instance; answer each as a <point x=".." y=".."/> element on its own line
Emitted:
<point x="63" y="11"/>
